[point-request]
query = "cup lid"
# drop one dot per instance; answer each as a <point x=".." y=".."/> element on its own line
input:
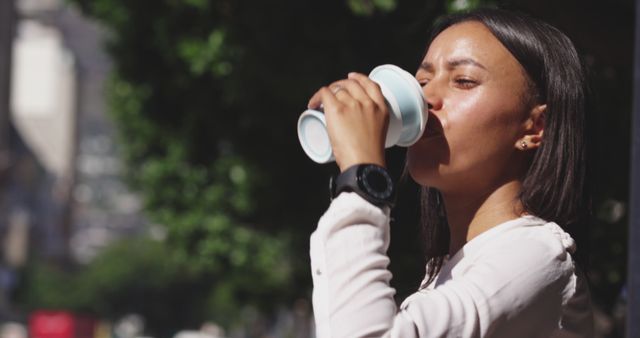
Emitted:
<point x="313" y="136"/>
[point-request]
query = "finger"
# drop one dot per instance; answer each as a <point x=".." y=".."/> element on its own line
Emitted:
<point x="341" y="92"/>
<point x="317" y="99"/>
<point x="354" y="91"/>
<point x="324" y="96"/>
<point x="370" y="87"/>
<point x="335" y="88"/>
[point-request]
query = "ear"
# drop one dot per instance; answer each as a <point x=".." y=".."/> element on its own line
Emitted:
<point x="533" y="128"/>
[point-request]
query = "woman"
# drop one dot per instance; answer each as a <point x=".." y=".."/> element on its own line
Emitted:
<point x="501" y="164"/>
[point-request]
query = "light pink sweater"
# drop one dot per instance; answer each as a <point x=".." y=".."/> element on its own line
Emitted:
<point x="516" y="279"/>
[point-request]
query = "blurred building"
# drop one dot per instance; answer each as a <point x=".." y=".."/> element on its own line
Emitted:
<point x="43" y="111"/>
<point x="103" y="208"/>
<point x="61" y="195"/>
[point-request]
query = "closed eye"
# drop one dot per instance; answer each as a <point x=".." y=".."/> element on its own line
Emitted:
<point x="423" y="82"/>
<point x="465" y="83"/>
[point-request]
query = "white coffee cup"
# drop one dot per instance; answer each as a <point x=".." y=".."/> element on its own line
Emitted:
<point x="407" y="117"/>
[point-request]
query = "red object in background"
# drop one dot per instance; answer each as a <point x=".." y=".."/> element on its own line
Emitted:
<point x="60" y="324"/>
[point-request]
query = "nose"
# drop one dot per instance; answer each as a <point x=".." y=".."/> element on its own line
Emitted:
<point x="433" y="95"/>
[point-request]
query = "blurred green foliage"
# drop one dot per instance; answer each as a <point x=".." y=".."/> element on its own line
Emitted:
<point x="144" y="276"/>
<point x="206" y="95"/>
<point x="131" y="276"/>
<point x="369" y="7"/>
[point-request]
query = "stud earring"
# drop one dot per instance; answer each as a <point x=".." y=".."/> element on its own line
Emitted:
<point x="524" y="145"/>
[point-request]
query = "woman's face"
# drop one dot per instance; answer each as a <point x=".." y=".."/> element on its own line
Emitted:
<point x="476" y="91"/>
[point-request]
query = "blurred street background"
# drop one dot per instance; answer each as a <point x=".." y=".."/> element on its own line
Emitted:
<point x="151" y="179"/>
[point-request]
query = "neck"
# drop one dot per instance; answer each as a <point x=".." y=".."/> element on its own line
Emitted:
<point x="472" y="214"/>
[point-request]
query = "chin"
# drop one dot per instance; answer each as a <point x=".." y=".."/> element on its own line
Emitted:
<point x="424" y="172"/>
<point x="426" y="159"/>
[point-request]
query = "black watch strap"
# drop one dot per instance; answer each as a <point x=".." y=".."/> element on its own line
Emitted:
<point x="372" y="182"/>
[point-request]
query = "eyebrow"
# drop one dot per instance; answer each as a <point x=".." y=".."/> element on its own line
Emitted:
<point x="428" y="66"/>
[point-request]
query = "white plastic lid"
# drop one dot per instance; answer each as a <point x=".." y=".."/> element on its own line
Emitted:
<point x="312" y="132"/>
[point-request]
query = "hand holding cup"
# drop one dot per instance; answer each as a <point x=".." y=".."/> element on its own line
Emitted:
<point x="358" y="117"/>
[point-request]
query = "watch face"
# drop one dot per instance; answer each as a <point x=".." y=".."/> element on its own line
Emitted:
<point x="376" y="182"/>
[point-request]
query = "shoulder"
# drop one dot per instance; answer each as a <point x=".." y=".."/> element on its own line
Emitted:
<point x="514" y="280"/>
<point x="532" y="240"/>
<point x="524" y="262"/>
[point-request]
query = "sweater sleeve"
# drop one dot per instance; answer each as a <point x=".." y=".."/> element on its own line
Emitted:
<point x="351" y="293"/>
<point x="512" y="288"/>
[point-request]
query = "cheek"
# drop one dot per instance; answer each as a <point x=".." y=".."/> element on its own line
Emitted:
<point x="465" y="124"/>
<point x="479" y="132"/>
<point x="485" y="117"/>
<point x="483" y="134"/>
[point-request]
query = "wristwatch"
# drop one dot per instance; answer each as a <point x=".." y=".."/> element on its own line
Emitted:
<point x="372" y="182"/>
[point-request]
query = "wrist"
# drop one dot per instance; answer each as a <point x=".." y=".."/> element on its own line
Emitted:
<point x="377" y="160"/>
<point x="372" y="182"/>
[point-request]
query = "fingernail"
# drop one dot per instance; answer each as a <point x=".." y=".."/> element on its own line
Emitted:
<point x="351" y="74"/>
